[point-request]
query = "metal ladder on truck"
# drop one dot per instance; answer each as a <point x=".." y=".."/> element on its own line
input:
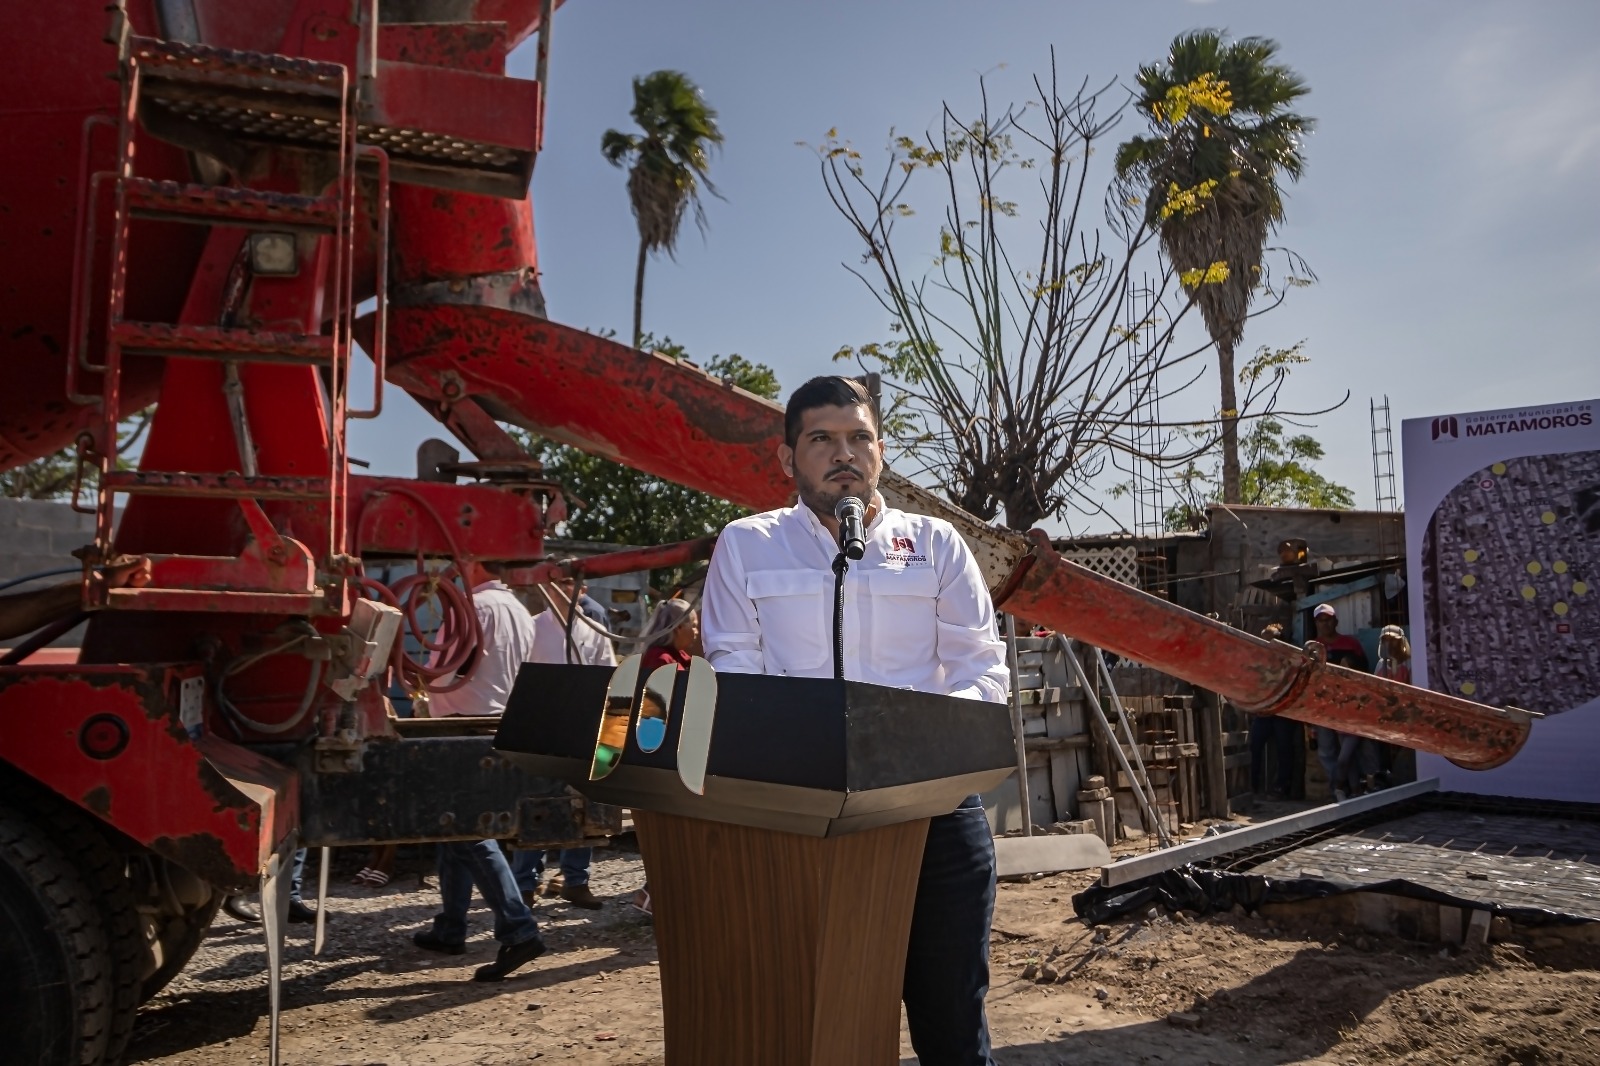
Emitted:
<point x="218" y="95"/>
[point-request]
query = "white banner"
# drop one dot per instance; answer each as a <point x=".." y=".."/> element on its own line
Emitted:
<point x="1503" y="554"/>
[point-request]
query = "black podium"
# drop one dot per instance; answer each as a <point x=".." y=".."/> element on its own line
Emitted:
<point x="782" y="889"/>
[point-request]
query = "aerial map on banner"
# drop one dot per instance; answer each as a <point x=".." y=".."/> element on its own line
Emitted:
<point x="1503" y="547"/>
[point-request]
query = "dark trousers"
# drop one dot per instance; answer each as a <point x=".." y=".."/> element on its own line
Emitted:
<point x="947" y="960"/>
<point x="1270" y="731"/>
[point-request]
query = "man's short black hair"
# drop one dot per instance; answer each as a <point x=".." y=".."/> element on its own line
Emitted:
<point x="830" y="390"/>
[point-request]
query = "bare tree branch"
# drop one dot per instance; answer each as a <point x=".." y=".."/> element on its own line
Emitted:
<point x="1025" y="357"/>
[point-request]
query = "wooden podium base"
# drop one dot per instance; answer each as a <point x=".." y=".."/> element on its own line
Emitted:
<point x="778" y="949"/>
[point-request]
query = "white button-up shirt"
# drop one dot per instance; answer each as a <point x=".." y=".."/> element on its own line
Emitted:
<point x="507" y="642"/>
<point x="589" y="646"/>
<point x="917" y="614"/>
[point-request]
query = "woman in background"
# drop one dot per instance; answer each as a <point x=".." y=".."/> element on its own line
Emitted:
<point x="677" y="627"/>
<point x="1392" y="764"/>
<point x="1394" y="655"/>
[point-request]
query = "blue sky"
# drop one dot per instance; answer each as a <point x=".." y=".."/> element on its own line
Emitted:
<point x="1449" y="206"/>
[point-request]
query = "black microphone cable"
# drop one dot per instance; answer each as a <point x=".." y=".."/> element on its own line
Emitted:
<point x="840" y="565"/>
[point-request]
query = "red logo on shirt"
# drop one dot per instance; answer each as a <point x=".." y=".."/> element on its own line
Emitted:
<point x="902" y="544"/>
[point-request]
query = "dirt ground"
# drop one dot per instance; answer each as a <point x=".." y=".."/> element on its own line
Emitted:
<point x="1174" y="990"/>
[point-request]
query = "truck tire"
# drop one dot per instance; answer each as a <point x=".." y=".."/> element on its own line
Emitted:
<point x="103" y="866"/>
<point x="56" y="981"/>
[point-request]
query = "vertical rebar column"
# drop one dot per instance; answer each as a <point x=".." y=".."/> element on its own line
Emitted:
<point x="1016" y="726"/>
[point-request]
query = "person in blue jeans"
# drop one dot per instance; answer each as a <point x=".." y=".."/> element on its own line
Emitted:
<point x="573" y="885"/>
<point x="463" y="864"/>
<point x="505" y="644"/>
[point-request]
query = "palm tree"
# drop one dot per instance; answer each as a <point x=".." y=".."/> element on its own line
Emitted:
<point x="1223" y="133"/>
<point x="668" y="163"/>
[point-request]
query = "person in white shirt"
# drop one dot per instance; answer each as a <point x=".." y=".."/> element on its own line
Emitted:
<point x="506" y="642"/>
<point x="917" y="615"/>
<point x="588" y="646"/>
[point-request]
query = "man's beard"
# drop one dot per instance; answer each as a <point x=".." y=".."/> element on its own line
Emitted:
<point x="823" y="496"/>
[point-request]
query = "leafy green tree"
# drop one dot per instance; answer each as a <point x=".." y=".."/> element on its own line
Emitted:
<point x="620" y="505"/>
<point x="1223" y="134"/>
<point x="1277" y="472"/>
<point x="668" y="163"/>
<point x="52" y="477"/>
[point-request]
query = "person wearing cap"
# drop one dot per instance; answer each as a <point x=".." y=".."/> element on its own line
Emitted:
<point x="1339" y="753"/>
<point x="1340" y="645"/>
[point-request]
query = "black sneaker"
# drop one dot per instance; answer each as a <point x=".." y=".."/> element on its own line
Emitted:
<point x="510" y="957"/>
<point x="300" y="913"/>
<point x="434" y="942"/>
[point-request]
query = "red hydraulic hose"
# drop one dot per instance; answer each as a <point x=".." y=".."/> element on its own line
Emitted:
<point x="459" y="635"/>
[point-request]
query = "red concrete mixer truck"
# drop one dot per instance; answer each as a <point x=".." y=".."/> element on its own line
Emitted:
<point x="212" y="208"/>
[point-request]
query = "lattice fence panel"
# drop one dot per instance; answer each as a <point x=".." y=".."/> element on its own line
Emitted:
<point x="1119" y="564"/>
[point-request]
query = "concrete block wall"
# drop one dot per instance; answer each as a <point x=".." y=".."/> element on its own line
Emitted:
<point x="40" y="535"/>
<point x="1053" y="728"/>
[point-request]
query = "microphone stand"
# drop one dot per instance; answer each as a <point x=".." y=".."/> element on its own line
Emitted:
<point x="840" y="565"/>
<point x="851" y="514"/>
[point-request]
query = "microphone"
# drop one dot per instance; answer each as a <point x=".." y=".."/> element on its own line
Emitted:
<point x="852" y="516"/>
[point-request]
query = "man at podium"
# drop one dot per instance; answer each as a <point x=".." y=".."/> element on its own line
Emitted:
<point x="916" y="615"/>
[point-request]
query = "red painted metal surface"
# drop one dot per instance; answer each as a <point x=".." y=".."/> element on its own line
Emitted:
<point x="49" y="93"/>
<point x="443" y="236"/>
<point x="520" y="16"/>
<point x="241" y="540"/>
<point x="628" y="562"/>
<point x="180" y="201"/>
<point x="475" y="46"/>
<point x="213" y="807"/>
<point x="654" y="413"/>
<point x="477" y="247"/>
<point x="1259" y="676"/>
<point x="427" y="116"/>
<point x="271" y="574"/>
<point x="608" y="564"/>
<point x="392" y="516"/>
<point x="238" y="554"/>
